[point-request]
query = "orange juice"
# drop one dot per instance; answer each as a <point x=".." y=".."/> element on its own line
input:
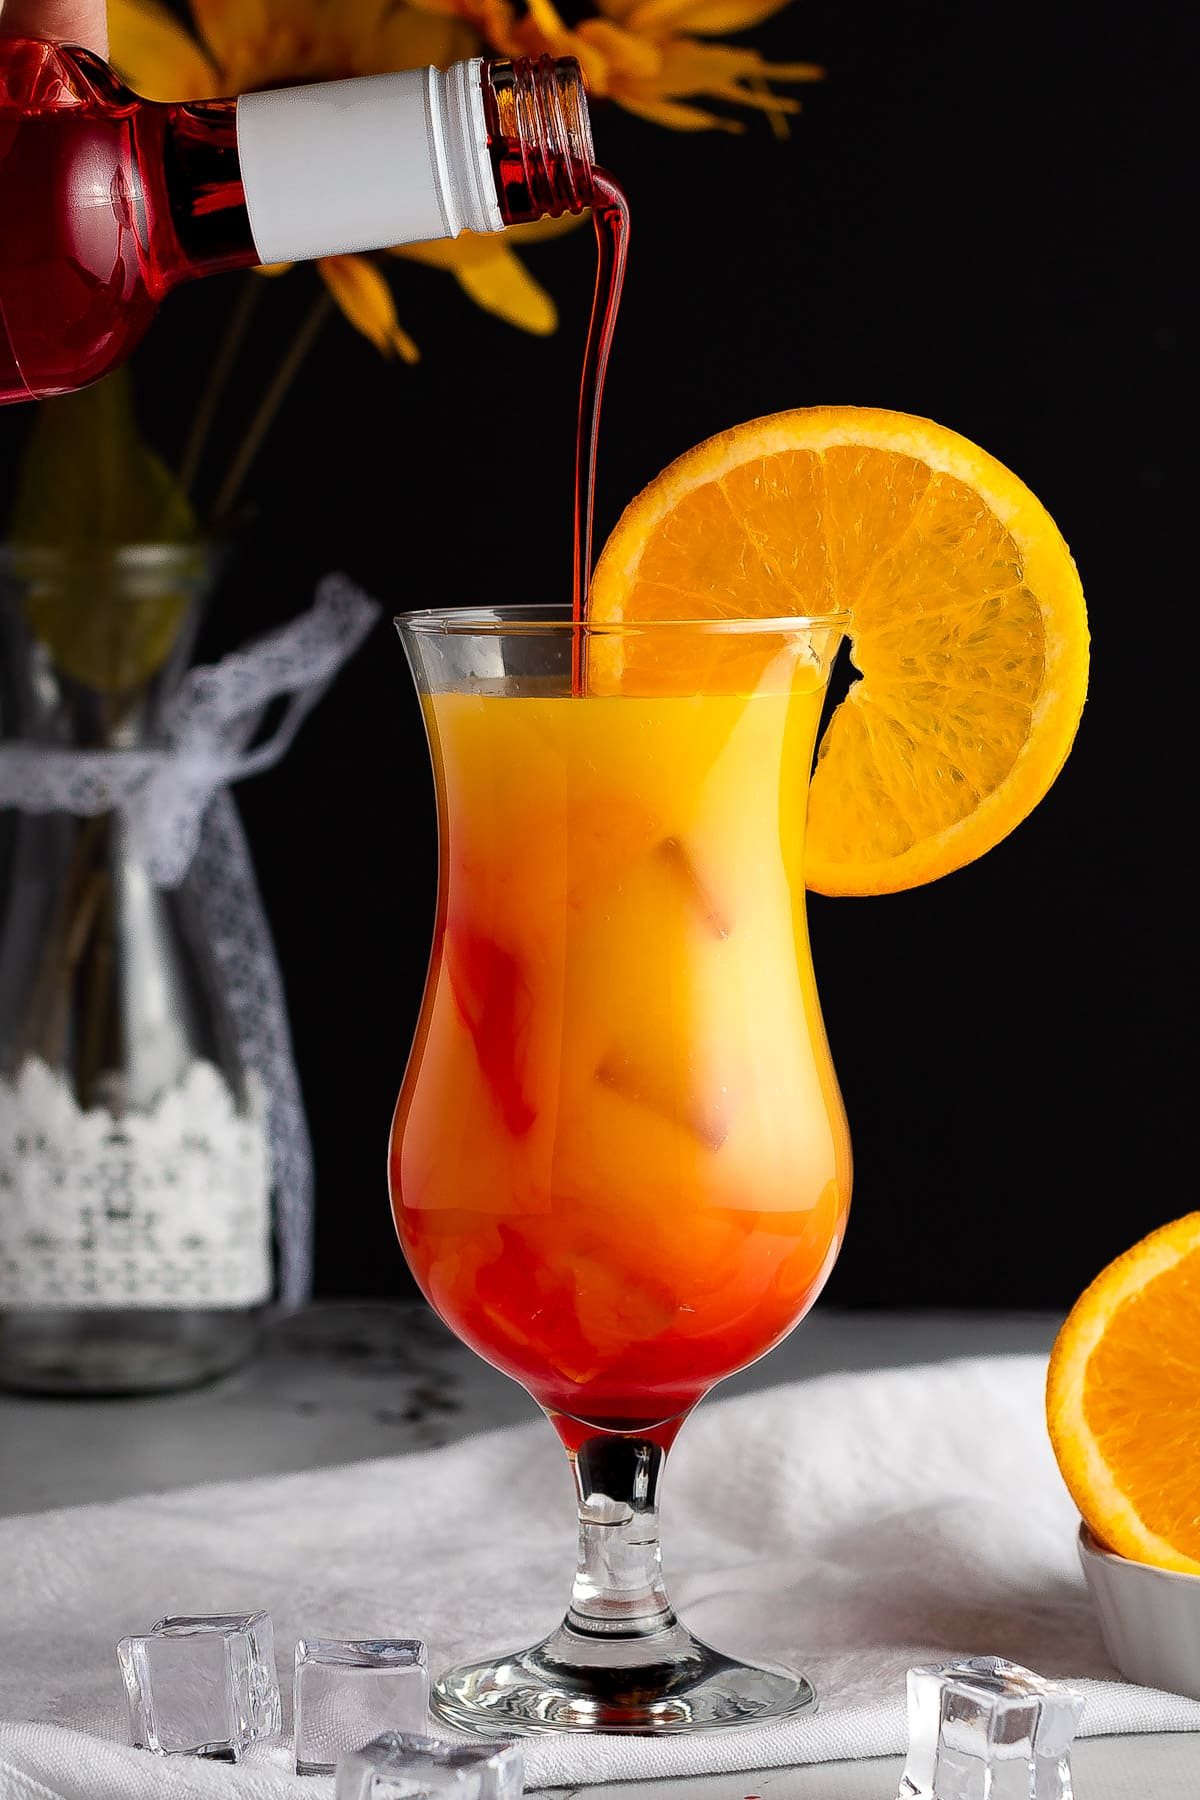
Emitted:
<point x="619" y="1162"/>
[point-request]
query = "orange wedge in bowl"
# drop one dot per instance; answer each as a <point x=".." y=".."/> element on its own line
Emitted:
<point x="1123" y="1400"/>
<point x="969" y="627"/>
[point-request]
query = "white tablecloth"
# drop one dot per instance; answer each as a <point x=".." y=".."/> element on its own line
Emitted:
<point x="850" y="1525"/>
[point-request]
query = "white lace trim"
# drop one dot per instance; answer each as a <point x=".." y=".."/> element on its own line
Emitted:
<point x="210" y="721"/>
<point x="169" y="1207"/>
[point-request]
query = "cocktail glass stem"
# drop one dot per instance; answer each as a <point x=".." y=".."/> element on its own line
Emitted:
<point x="618" y="1589"/>
<point x="620" y="1660"/>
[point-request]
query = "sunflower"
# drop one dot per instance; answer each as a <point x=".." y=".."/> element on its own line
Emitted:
<point x="649" y="56"/>
<point x="646" y="55"/>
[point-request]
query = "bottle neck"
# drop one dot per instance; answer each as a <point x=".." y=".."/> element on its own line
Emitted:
<point x="540" y="137"/>
<point x="192" y="191"/>
<point x="618" y="1589"/>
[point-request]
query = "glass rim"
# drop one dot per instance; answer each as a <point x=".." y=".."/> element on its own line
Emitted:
<point x="532" y="619"/>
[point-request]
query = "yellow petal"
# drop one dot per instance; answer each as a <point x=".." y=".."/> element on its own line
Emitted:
<point x="471" y="246"/>
<point x="538" y="230"/>
<point x="675" y="114"/>
<point x="230" y="27"/>
<point x="663" y="18"/>
<point x="692" y="66"/>
<point x="409" y="39"/>
<point x="721" y="72"/>
<point x="494" y="278"/>
<point x="624" y="54"/>
<point x="359" y="19"/>
<point x="504" y="286"/>
<point x="363" y="294"/>
<point x="542" y="32"/>
<point x="551" y="32"/>
<point x="350" y="33"/>
<point x="496" y="21"/>
<point x="491" y="20"/>
<point x="154" y="54"/>
<point x="446" y="253"/>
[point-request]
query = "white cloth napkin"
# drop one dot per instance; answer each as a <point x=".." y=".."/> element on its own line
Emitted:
<point x="850" y="1525"/>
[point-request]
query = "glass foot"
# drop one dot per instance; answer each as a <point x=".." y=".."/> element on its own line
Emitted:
<point x="665" y="1681"/>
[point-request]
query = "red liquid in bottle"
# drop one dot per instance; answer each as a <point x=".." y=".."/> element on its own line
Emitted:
<point x="108" y="200"/>
<point x="112" y="202"/>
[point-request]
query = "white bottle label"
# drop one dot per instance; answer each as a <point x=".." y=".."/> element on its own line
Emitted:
<point x="344" y="166"/>
<point x="169" y="1207"/>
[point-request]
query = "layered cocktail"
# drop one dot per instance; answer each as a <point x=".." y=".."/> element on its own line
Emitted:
<point x="620" y="1167"/>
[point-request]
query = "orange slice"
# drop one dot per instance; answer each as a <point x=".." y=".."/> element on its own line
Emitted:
<point x="1123" y="1400"/>
<point x="969" y="626"/>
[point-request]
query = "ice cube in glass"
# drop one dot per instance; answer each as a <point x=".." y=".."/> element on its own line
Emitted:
<point x="347" y="1691"/>
<point x="202" y="1685"/>
<point x="988" y="1729"/>
<point x="400" y="1765"/>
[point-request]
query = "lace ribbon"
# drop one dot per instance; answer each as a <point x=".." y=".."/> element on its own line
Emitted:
<point x="183" y="816"/>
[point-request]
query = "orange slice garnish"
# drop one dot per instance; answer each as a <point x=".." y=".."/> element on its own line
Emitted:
<point x="969" y="627"/>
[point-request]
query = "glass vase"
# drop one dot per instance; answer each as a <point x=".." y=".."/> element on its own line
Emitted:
<point x="135" y="1188"/>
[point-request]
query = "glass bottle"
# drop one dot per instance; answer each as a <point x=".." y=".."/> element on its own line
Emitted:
<point x="108" y="200"/>
<point x="137" y="1228"/>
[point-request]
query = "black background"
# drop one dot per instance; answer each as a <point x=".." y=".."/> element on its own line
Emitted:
<point x="979" y="216"/>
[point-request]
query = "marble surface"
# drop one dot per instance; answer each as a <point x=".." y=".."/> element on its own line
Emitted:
<point x="349" y="1380"/>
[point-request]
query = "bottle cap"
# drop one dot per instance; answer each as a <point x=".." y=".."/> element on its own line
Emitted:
<point x="342" y="166"/>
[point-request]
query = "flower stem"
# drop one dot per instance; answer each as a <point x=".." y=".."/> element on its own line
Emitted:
<point x="300" y="345"/>
<point x="231" y="342"/>
<point x="46" y="1019"/>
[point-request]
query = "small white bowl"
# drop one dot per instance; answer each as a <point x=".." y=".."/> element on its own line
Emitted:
<point x="1149" y="1618"/>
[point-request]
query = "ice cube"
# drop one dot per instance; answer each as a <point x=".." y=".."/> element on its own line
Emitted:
<point x="987" y="1729"/>
<point x="348" y="1690"/>
<point x="401" y="1765"/>
<point x="700" y="901"/>
<point x="202" y="1686"/>
<point x="666" y="1091"/>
